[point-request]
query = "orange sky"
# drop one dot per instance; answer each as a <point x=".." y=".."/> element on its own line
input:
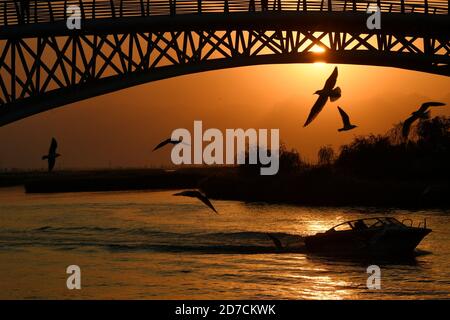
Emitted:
<point x="120" y="129"/>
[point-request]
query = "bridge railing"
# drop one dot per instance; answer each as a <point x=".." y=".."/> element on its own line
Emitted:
<point x="13" y="12"/>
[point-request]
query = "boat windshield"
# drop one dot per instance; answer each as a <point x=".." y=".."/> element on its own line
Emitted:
<point x="363" y="224"/>
<point x="386" y="221"/>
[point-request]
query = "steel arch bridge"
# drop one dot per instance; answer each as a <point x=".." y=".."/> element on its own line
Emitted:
<point x="122" y="43"/>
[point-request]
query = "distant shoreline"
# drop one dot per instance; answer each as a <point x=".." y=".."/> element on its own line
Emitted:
<point x="318" y="187"/>
<point x="103" y="180"/>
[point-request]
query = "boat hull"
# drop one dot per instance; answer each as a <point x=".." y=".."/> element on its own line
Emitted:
<point x="389" y="241"/>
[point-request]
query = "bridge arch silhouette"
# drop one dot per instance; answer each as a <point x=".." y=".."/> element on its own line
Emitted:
<point x="122" y="43"/>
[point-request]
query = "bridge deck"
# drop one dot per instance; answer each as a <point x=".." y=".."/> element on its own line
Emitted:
<point x="13" y="12"/>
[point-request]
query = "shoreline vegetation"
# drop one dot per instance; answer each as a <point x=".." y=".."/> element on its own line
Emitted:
<point x="375" y="170"/>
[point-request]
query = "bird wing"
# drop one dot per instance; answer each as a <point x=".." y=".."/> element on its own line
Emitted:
<point x="187" y="193"/>
<point x="331" y="81"/>
<point x="344" y="116"/>
<point x="198" y="195"/>
<point x="426" y="115"/>
<point x="407" y="125"/>
<point x="51" y="163"/>
<point x="53" y="146"/>
<point x="206" y="201"/>
<point x="335" y="94"/>
<point x="162" y="144"/>
<point x="276" y="241"/>
<point x="428" y="104"/>
<point x="315" y="110"/>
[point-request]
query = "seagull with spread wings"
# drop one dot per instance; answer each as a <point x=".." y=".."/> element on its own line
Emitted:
<point x="166" y="142"/>
<point x="345" y="121"/>
<point x="422" y="113"/>
<point x="328" y="92"/>
<point x="197" y="194"/>
<point x="52" y="155"/>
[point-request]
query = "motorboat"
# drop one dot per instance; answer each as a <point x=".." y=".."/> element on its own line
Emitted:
<point x="371" y="236"/>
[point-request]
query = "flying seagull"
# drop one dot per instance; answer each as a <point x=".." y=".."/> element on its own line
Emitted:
<point x="328" y="91"/>
<point x="165" y="142"/>
<point x="345" y="121"/>
<point x="422" y="113"/>
<point x="198" y="195"/>
<point x="52" y="155"/>
<point x="276" y="241"/>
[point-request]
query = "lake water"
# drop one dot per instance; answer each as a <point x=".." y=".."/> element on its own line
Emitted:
<point x="151" y="245"/>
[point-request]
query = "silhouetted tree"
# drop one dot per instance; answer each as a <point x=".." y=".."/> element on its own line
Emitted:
<point x="289" y="162"/>
<point x="395" y="133"/>
<point x="424" y="156"/>
<point x="326" y="155"/>
<point x="434" y="133"/>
